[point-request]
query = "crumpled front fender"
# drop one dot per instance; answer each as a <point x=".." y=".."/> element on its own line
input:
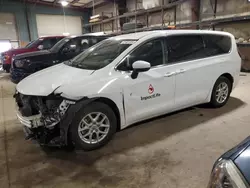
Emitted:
<point x="69" y="116"/>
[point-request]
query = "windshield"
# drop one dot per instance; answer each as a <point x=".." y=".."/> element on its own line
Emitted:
<point x="34" y="43"/>
<point x="101" y="55"/>
<point x="59" y="44"/>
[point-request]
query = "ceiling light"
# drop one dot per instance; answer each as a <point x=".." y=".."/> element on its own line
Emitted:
<point x="64" y="3"/>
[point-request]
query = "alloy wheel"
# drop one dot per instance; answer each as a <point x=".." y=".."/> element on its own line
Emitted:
<point x="93" y="127"/>
<point x="222" y="92"/>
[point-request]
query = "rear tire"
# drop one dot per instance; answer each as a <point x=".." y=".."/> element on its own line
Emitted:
<point x="221" y="92"/>
<point x="93" y="126"/>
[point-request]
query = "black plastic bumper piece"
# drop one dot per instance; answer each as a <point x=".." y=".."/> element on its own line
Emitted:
<point x="43" y="136"/>
<point x="17" y="75"/>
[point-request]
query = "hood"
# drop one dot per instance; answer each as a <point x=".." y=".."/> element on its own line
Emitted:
<point x="243" y="163"/>
<point x="34" y="54"/>
<point x="235" y="151"/>
<point x="48" y="80"/>
<point x="18" y="51"/>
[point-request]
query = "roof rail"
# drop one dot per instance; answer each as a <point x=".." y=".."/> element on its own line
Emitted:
<point x="145" y="29"/>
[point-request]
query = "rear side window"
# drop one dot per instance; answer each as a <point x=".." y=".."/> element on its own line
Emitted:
<point x="217" y="44"/>
<point x="185" y="48"/>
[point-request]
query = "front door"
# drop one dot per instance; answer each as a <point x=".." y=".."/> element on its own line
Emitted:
<point x="152" y="92"/>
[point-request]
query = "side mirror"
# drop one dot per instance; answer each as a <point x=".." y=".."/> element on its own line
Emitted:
<point x="139" y="66"/>
<point x="40" y="47"/>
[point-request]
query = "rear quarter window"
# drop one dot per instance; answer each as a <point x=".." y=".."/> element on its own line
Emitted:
<point x="217" y="44"/>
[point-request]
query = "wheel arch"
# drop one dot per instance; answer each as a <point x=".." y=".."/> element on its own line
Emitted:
<point x="228" y="76"/>
<point x="113" y="106"/>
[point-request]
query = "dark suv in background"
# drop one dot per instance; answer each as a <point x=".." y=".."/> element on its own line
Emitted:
<point x="42" y="43"/>
<point x="28" y="63"/>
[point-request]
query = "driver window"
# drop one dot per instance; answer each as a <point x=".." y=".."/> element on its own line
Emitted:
<point x="151" y="52"/>
<point x="73" y="46"/>
<point x="47" y="44"/>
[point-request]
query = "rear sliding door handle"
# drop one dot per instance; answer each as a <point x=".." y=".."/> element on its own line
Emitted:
<point x="182" y="71"/>
<point x="169" y="74"/>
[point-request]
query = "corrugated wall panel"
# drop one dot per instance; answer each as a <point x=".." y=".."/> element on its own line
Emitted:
<point x="8" y="26"/>
<point x="54" y="25"/>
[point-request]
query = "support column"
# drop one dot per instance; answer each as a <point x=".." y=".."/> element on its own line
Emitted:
<point x="195" y="6"/>
<point x="122" y="8"/>
<point x="86" y="16"/>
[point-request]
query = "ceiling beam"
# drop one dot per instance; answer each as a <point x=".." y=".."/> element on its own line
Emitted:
<point x="55" y="2"/>
<point x="74" y="1"/>
<point x="96" y="3"/>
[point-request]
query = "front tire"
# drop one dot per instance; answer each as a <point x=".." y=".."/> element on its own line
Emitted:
<point x="93" y="126"/>
<point x="221" y="92"/>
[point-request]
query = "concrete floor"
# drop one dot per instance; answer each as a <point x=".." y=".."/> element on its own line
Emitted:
<point x="173" y="151"/>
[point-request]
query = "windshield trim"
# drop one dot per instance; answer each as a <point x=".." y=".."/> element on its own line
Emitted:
<point x="34" y="43"/>
<point x="90" y="49"/>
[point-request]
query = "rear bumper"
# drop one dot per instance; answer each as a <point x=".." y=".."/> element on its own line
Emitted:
<point x="18" y="75"/>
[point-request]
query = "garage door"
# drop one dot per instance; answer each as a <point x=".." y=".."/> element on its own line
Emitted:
<point x="8" y="26"/>
<point x="54" y="25"/>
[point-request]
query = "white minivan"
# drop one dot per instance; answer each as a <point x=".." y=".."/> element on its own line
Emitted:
<point x="124" y="80"/>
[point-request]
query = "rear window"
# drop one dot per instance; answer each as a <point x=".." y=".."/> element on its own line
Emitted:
<point x="217" y="44"/>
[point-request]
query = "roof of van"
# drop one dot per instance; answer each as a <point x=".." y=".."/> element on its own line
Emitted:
<point x="137" y="36"/>
<point x="91" y="34"/>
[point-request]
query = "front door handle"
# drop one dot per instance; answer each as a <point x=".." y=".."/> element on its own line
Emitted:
<point x="169" y="74"/>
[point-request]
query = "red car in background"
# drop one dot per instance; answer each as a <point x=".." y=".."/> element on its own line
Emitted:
<point x="42" y="43"/>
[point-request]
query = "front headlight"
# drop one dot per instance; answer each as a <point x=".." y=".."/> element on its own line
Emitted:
<point x="226" y="175"/>
<point x="20" y="63"/>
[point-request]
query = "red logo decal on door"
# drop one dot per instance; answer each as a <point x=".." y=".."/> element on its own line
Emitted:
<point x="150" y="89"/>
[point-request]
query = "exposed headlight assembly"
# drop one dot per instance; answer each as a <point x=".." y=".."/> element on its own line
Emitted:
<point x="226" y="175"/>
<point x="20" y="63"/>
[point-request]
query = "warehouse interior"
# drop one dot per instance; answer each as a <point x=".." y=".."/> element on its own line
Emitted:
<point x="171" y="151"/>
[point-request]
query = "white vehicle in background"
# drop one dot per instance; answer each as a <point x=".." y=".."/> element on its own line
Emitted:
<point x="124" y="80"/>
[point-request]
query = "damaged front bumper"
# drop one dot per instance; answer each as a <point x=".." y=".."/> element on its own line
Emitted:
<point x="40" y="124"/>
<point x="48" y="127"/>
<point x="30" y="122"/>
<point x="48" y="120"/>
